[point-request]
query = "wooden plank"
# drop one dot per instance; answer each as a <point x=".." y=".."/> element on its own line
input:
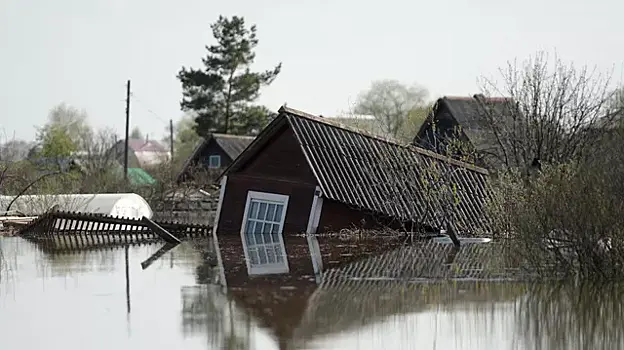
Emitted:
<point x="162" y="251"/>
<point x="157" y="229"/>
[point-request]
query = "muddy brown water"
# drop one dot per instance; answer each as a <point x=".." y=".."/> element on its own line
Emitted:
<point x="94" y="300"/>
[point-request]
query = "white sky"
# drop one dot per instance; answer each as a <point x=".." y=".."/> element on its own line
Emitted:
<point x="82" y="52"/>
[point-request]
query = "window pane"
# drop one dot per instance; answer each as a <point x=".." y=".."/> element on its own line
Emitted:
<point x="258" y="228"/>
<point x="253" y="256"/>
<point x="248" y="230"/>
<point x="262" y="253"/>
<point x="270" y="212"/>
<point x="262" y="211"/>
<point x="278" y="254"/>
<point x="271" y="255"/>
<point x="267" y="238"/>
<point x="249" y="226"/>
<point x="278" y="213"/>
<point x="275" y="228"/>
<point x="254" y="210"/>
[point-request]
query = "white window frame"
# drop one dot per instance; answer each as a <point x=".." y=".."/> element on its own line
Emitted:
<point x="266" y="269"/>
<point x="210" y="158"/>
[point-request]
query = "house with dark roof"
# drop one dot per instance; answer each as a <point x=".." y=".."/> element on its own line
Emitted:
<point x="478" y="123"/>
<point x="304" y="177"/>
<point x="215" y="152"/>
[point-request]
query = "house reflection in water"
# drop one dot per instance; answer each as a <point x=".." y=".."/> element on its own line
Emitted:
<point x="379" y="301"/>
<point x="299" y="309"/>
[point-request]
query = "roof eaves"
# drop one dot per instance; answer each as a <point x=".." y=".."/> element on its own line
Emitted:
<point x="198" y="147"/>
<point x="246" y="137"/>
<point x="255" y="145"/>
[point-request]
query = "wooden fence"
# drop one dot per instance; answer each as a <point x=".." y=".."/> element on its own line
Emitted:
<point x="80" y="229"/>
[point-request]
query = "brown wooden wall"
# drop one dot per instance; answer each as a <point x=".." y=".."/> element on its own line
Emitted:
<point x="336" y="216"/>
<point x="338" y="250"/>
<point x="280" y="168"/>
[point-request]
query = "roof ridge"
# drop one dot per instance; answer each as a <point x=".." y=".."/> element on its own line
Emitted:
<point x="231" y="135"/>
<point x="472" y="98"/>
<point x="337" y="124"/>
<point x="396" y="143"/>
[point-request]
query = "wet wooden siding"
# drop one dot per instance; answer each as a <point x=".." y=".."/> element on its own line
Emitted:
<point x="269" y="173"/>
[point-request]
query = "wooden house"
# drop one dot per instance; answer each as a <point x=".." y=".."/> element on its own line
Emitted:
<point x="305" y="176"/>
<point x="141" y="152"/>
<point x="215" y="152"/>
<point x="477" y="122"/>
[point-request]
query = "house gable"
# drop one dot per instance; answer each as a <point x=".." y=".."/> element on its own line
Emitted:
<point x="270" y="160"/>
<point x="211" y="148"/>
<point x="437" y="128"/>
<point x="468" y="120"/>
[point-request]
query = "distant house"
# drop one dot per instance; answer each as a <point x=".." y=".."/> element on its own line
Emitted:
<point x="141" y="153"/>
<point x="214" y="152"/>
<point x="305" y="175"/>
<point x="469" y="120"/>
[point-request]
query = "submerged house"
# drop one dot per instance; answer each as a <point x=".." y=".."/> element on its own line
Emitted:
<point x="305" y="176"/>
<point x="215" y="152"/>
<point x="479" y="124"/>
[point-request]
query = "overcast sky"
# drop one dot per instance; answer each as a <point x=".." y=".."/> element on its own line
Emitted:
<point x="82" y="51"/>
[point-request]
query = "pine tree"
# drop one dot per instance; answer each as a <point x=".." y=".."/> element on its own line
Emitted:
<point x="222" y="94"/>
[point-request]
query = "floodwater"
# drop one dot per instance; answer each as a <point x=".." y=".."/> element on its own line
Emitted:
<point x="106" y="299"/>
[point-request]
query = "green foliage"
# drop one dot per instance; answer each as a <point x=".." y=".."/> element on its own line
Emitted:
<point x="56" y="142"/>
<point x="222" y="93"/>
<point x="410" y="126"/>
<point x="70" y="121"/>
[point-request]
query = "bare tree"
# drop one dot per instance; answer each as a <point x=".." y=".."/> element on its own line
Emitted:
<point x="391" y="103"/>
<point x="14" y="150"/>
<point x="550" y="112"/>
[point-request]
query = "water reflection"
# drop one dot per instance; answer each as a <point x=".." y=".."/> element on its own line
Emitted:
<point x="87" y="300"/>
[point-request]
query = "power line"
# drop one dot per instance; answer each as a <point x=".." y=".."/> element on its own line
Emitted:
<point x="149" y="110"/>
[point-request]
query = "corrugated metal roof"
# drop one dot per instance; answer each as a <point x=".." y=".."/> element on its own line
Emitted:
<point x="233" y="145"/>
<point x="378" y="175"/>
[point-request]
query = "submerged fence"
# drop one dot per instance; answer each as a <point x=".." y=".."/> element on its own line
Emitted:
<point x="80" y="230"/>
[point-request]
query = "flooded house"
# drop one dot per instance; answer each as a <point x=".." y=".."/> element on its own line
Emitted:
<point x="215" y="152"/>
<point x="477" y="122"/>
<point x="286" y="198"/>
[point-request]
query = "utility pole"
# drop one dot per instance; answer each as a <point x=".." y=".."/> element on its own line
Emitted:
<point x="171" y="138"/>
<point x="127" y="131"/>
